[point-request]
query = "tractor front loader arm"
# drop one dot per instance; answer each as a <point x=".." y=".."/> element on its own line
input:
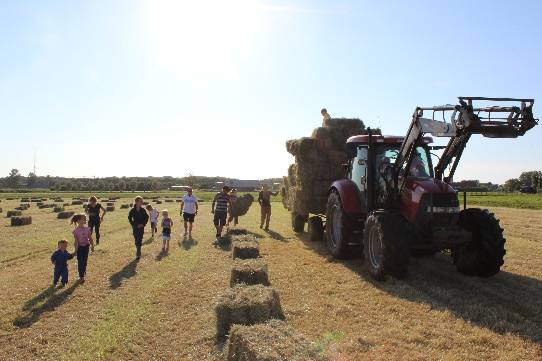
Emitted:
<point x="494" y="121"/>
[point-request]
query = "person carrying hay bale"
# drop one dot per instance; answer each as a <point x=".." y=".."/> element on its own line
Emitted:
<point x="221" y="205"/>
<point x="233" y="202"/>
<point x="94" y="218"/>
<point x="264" y="199"/>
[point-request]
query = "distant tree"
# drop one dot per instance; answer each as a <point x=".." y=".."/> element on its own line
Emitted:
<point x="190" y="180"/>
<point x="14" y="178"/>
<point x="532" y="178"/>
<point x="31" y="180"/>
<point x="121" y="186"/>
<point x="512" y="185"/>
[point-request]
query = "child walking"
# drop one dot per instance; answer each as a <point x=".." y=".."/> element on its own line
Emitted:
<point x="60" y="259"/>
<point x="138" y="219"/>
<point x="153" y="214"/>
<point x="83" y="243"/>
<point x="167" y="223"/>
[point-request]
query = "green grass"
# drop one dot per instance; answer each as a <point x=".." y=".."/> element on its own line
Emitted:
<point x="509" y="200"/>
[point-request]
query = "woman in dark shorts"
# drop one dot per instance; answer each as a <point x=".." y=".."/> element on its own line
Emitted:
<point x="94" y="218"/>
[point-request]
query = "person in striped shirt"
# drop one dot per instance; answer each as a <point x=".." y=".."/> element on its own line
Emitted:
<point x="221" y="205"/>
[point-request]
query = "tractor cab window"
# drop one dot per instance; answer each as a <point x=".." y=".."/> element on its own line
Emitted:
<point x="420" y="164"/>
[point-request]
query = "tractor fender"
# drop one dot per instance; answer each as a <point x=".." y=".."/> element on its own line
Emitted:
<point x="350" y="197"/>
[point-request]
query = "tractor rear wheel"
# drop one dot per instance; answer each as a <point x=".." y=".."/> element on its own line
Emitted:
<point x="298" y="222"/>
<point x="337" y="232"/>
<point x="484" y="255"/>
<point x="385" y="245"/>
<point x="315" y="228"/>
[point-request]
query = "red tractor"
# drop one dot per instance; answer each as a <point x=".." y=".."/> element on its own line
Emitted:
<point x="395" y="203"/>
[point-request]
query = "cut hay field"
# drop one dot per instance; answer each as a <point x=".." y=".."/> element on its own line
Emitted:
<point x="162" y="308"/>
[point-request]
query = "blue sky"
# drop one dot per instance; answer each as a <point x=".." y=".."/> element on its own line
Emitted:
<point x="157" y="87"/>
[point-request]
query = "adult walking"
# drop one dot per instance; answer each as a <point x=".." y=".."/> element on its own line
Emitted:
<point x="138" y="219"/>
<point x="264" y="199"/>
<point x="189" y="209"/>
<point x="94" y="218"/>
<point x="221" y="205"/>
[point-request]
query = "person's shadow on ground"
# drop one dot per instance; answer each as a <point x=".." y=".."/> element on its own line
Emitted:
<point x="276" y="235"/>
<point x="187" y="243"/>
<point x="53" y="299"/>
<point x="128" y="271"/>
<point x="160" y="256"/>
<point x="148" y="241"/>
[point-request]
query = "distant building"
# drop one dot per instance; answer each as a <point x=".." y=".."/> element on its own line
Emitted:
<point x="243" y="185"/>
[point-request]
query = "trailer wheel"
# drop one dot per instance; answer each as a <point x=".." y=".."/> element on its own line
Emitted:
<point x="484" y="255"/>
<point x="385" y="245"/>
<point x="337" y="232"/>
<point x="298" y="222"/>
<point x="316" y="228"/>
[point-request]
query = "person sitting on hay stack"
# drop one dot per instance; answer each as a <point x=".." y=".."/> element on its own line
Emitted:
<point x="264" y="198"/>
<point x="326" y="116"/>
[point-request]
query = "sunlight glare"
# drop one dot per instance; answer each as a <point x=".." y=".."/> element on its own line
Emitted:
<point x="201" y="38"/>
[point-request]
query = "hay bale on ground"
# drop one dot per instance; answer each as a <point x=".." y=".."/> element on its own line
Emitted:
<point x="58" y="209"/>
<point x="21" y="220"/>
<point x="110" y="208"/>
<point x="66" y="205"/>
<point x="169" y="200"/>
<point x="250" y="272"/>
<point x="124" y="206"/>
<point x="110" y="204"/>
<point x="246" y="305"/>
<point x="13" y="213"/>
<point x="158" y="202"/>
<point x="77" y="203"/>
<point x="48" y="205"/>
<point x="272" y="341"/>
<point x="242" y="205"/>
<point x="245" y="249"/>
<point x="65" y="214"/>
<point x="1" y="210"/>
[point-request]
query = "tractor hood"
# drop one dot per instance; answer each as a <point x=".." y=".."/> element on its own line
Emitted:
<point x="415" y="188"/>
<point x="421" y="185"/>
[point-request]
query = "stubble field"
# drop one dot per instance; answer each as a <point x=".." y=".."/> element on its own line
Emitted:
<point x="162" y="308"/>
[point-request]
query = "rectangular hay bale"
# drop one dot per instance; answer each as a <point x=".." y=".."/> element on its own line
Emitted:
<point x="246" y="305"/>
<point x="21" y="220"/>
<point x="245" y="249"/>
<point x="271" y="341"/>
<point x="249" y="272"/>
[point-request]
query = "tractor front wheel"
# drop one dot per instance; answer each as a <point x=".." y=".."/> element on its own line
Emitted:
<point x="483" y="256"/>
<point x="385" y="245"/>
<point x="316" y="229"/>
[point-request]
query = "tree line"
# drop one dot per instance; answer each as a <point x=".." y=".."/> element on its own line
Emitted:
<point x="531" y="178"/>
<point x="15" y="180"/>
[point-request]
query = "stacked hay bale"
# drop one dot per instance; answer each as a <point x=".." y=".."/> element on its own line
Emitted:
<point x="318" y="162"/>
<point x="271" y="341"/>
<point x="246" y="305"/>
<point x="242" y="205"/>
<point x="21" y="220"/>
<point x="58" y="209"/>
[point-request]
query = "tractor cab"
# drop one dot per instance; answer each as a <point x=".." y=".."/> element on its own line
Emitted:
<point x="379" y="153"/>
